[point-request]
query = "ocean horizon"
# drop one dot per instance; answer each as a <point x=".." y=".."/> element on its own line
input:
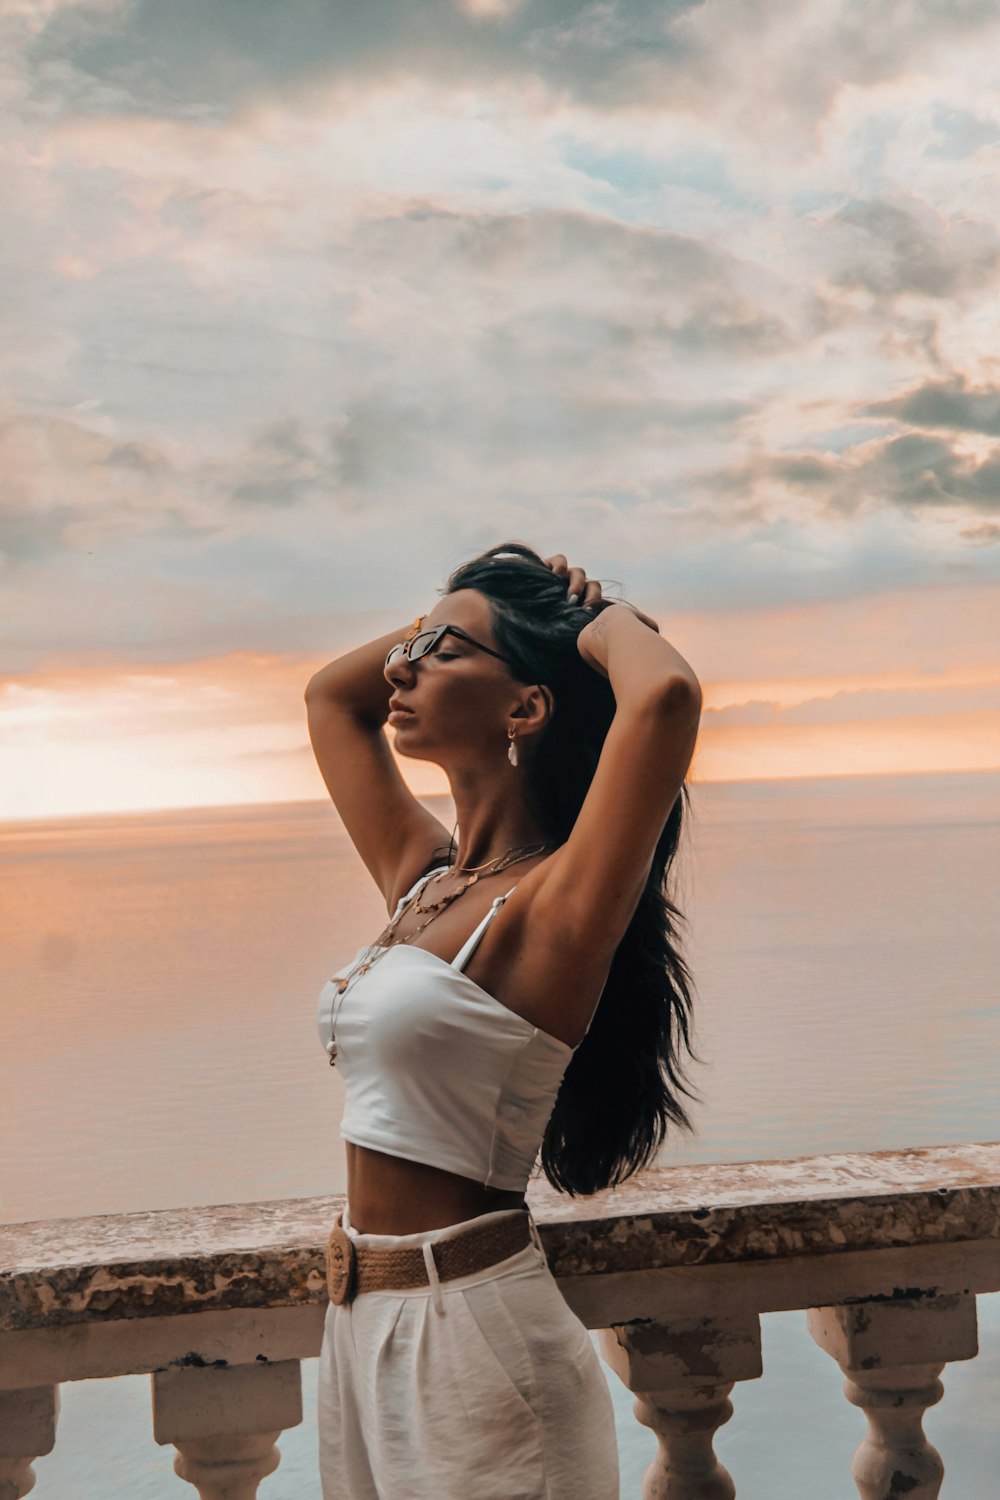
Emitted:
<point x="162" y="971"/>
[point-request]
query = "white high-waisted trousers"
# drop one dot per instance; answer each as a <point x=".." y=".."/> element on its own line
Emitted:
<point x="486" y="1387"/>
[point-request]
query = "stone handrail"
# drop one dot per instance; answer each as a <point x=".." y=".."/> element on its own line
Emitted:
<point x="886" y="1250"/>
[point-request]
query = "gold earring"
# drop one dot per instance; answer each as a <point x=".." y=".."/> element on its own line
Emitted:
<point x="512" y="747"/>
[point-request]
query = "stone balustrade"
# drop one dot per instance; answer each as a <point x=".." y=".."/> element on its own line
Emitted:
<point x="885" y="1251"/>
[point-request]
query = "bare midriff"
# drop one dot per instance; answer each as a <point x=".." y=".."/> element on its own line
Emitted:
<point x="390" y="1195"/>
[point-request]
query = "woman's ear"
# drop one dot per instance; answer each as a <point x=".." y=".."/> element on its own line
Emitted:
<point x="537" y="707"/>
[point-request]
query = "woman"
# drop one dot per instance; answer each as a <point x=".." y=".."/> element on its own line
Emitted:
<point x="469" y="1033"/>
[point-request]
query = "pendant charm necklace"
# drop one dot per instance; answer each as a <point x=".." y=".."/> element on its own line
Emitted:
<point x="375" y="950"/>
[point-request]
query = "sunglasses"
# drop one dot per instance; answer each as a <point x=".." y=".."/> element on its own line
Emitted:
<point x="426" y="641"/>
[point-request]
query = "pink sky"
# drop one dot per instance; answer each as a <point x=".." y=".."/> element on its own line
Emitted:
<point x="231" y="728"/>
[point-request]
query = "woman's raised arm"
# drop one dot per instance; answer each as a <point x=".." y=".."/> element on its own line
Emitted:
<point x="347" y="706"/>
<point x="593" y="882"/>
<point x="634" y="661"/>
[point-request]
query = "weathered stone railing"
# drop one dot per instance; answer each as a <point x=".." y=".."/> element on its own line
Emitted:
<point x="885" y="1250"/>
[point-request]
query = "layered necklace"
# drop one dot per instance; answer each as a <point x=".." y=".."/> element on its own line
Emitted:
<point x="386" y="938"/>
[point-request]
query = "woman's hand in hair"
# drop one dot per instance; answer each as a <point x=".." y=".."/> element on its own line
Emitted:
<point x="582" y="591"/>
<point x="588" y="591"/>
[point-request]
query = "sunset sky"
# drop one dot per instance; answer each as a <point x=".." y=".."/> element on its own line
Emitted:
<point x="305" y="304"/>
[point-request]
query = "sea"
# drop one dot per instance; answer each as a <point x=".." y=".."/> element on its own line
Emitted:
<point x="158" y="1049"/>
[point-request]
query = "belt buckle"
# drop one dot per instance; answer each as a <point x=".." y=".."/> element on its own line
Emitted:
<point x="341" y="1265"/>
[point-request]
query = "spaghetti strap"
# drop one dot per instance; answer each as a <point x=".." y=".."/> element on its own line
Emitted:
<point x="468" y="948"/>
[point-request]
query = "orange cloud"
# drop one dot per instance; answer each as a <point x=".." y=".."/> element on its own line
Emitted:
<point x="911" y="743"/>
<point x="232" y="729"/>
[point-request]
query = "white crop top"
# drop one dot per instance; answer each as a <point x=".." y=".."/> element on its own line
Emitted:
<point x="437" y="1070"/>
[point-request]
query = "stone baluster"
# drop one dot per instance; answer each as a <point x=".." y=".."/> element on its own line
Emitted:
<point x="225" y="1422"/>
<point x="27" y="1431"/>
<point x="682" y="1373"/>
<point x="892" y="1353"/>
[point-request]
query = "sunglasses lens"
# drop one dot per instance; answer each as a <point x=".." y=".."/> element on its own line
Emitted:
<point x="396" y="654"/>
<point x="421" y="644"/>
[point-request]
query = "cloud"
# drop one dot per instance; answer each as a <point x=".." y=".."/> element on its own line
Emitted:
<point x="27" y="537"/>
<point x="911" y="472"/>
<point x="92" y="736"/>
<point x="615" y="56"/>
<point x="256" y="51"/>
<point x="903" y="744"/>
<point x="67" y="486"/>
<point x="375" y="443"/>
<point x="915" y="471"/>
<point x="952" y="404"/>
<point x="986" y="535"/>
<point x="308" y="306"/>
<point x="893" y="247"/>
<point x="71" y="489"/>
<point x="866" y="704"/>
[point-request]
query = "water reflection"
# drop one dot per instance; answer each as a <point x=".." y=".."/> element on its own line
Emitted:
<point x="161" y="973"/>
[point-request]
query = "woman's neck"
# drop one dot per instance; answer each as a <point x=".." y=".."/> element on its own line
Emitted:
<point x="491" y="822"/>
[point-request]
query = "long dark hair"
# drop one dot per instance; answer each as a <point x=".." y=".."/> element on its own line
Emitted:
<point x="624" y="1084"/>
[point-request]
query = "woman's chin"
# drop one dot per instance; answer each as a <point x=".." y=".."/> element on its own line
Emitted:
<point x="406" y="741"/>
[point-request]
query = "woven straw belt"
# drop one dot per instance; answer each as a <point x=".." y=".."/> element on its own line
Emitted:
<point x="352" y="1269"/>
